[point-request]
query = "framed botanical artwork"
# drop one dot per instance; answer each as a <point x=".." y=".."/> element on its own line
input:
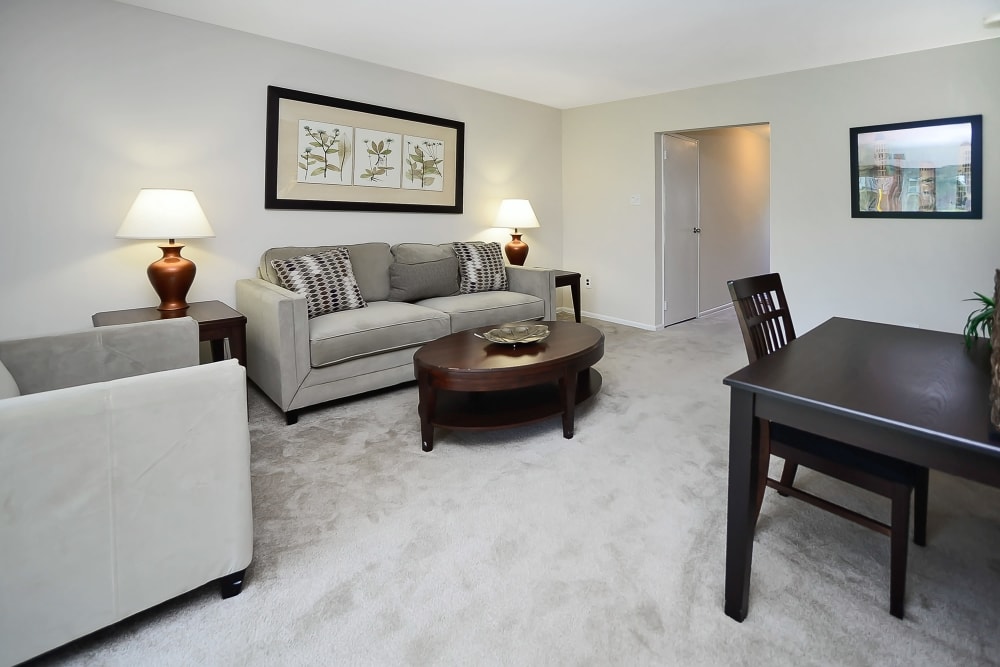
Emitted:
<point x="920" y="169"/>
<point x="325" y="153"/>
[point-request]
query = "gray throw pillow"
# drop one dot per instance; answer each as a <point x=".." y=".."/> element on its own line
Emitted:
<point x="325" y="279"/>
<point x="481" y="267"/>
<point x="412" y="282"/>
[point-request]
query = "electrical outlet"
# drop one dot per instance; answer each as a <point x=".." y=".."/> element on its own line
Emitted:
<point x="587" y="282"/>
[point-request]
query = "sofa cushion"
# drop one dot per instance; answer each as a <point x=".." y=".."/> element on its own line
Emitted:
<point x="485" y="309"/>
<point x="381" y="327"/>
<point x="418" y="253"/>
<point x="481" y="267"/>
<point x="370" y="261"/>
<point x="8" y="387"/>
<point x="422" y="271"/>
<point x="326" y="279"/>
<point x="412" y="282"/>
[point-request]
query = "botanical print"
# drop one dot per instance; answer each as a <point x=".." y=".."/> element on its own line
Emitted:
<point x="379" y="159"/>
<point x="424" y="164"/>
<point x="324" y="153"/>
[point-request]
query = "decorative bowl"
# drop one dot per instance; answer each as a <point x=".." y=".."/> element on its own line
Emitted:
<point x="515" y="334"/>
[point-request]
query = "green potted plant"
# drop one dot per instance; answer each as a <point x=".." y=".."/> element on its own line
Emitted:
<point x="980" y="321"/>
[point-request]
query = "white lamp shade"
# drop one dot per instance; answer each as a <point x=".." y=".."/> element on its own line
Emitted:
<point x="516" y="213"/>
<point x="165" y="214"/>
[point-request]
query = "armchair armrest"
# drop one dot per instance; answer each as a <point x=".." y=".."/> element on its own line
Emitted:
<point x="119" y="495"/>
<point x="537" y="282"/>
<point x="277" y="337"/>
<point x="100" y="354"/>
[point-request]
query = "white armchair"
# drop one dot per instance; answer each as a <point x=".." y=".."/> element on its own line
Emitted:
<point x="124" y="479"/>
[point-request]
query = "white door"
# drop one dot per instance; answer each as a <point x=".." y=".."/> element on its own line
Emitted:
<point x="680" y="229"/>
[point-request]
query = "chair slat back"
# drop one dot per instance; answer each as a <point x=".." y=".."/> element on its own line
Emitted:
<point x="763" y="313"/>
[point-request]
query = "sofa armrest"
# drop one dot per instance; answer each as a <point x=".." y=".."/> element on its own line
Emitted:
<point x="277" y="337"/>
<point x="118" y="496"/>
<point x="537" y="282"/>
<point x="100" y="354"/>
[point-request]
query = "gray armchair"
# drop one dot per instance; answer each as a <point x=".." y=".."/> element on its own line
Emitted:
<point x="124" y="479"/>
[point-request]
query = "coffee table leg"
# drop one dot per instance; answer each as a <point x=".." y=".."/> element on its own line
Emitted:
<point x="428" y="398"/>
<point x="567" y="385"/>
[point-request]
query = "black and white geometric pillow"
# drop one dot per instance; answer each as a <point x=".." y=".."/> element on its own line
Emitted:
<point x="480" y="266"/>
<point x="326" y="279"/>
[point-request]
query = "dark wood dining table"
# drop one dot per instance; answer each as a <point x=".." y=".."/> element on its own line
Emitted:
<point x="914" y="394"/>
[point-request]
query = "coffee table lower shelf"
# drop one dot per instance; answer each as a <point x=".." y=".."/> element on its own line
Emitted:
<point x="487" y="410"/>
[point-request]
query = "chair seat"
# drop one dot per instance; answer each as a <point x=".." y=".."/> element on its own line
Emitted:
<point x="875" y="464"/>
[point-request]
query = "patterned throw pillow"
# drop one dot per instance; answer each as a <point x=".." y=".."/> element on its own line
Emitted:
<point x="326" y="279"/>
<point x="481" y="267"/>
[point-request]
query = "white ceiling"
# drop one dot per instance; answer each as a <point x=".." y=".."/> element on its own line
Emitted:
<point x="567" y="53"/>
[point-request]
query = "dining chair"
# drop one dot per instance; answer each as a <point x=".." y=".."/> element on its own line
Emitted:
<point x="766" y="323"/>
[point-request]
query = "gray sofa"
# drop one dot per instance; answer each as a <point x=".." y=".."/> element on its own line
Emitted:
<point x="124" y="479"/>
<point x="411" y="290"/>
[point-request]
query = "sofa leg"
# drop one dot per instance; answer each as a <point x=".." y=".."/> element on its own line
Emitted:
<point x="232" y="584"/>
<point x="291" y="417"/>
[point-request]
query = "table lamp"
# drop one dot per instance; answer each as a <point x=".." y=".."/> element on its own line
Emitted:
<point x="516" y="213"/>
<point x="167" y="214"/>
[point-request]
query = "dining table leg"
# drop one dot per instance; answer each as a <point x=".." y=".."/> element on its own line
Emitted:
<point x="744" y="464"/>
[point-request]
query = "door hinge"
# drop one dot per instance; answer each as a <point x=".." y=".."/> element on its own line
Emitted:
<point x="664" y="305"/>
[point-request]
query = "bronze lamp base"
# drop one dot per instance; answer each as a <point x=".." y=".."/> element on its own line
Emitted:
<point x="516" y="250"/>
<point x="171" y="277"/>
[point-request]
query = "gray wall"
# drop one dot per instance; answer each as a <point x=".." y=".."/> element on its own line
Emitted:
<point x="899" y="271"/>
<point x="735" y="187"/>
<point x="101" y="99"/>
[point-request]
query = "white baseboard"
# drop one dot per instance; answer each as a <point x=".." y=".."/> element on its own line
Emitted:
<point x="717" y="309"/>
<point x="616" y="320"/>
<point x="638" y="325"/>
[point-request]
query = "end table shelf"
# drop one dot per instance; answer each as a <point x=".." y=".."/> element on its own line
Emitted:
<point x="216" y="323"/>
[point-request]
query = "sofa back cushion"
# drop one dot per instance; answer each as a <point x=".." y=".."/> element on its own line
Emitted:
<point x="422" y="271"/>
<point x="370" y="262"/>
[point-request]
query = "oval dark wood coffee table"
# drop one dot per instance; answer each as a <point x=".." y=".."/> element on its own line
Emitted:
<point x="466" y="382"/>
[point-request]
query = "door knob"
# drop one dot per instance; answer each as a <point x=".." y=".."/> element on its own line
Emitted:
<point x="696" y="230"/>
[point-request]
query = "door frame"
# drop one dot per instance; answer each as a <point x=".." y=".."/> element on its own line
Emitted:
<point x="658" y="226"/>
<point x="661" y="231"/>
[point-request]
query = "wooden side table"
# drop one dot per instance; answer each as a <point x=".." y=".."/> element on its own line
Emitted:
<point x="570" y="279"/>
<point x="216" y="322"/>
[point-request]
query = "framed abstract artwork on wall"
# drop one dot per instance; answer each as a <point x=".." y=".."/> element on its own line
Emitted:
<point x="919" y="169"/>
<point x="325" y="153"/>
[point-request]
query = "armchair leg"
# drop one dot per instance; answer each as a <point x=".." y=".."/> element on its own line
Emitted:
<point x="231" y="584"/>
<point x="291" y="417"/>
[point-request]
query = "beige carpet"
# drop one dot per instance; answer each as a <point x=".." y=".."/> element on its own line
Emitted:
<point x="519" y="547"/>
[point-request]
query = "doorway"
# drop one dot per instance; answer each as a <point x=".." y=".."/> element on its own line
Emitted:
<point x="728" y="236"/>
<point x="680" y="184"/>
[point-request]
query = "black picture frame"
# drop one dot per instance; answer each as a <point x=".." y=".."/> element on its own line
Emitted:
<point x="312" y="161"/>
<point x="918" y="169"/>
